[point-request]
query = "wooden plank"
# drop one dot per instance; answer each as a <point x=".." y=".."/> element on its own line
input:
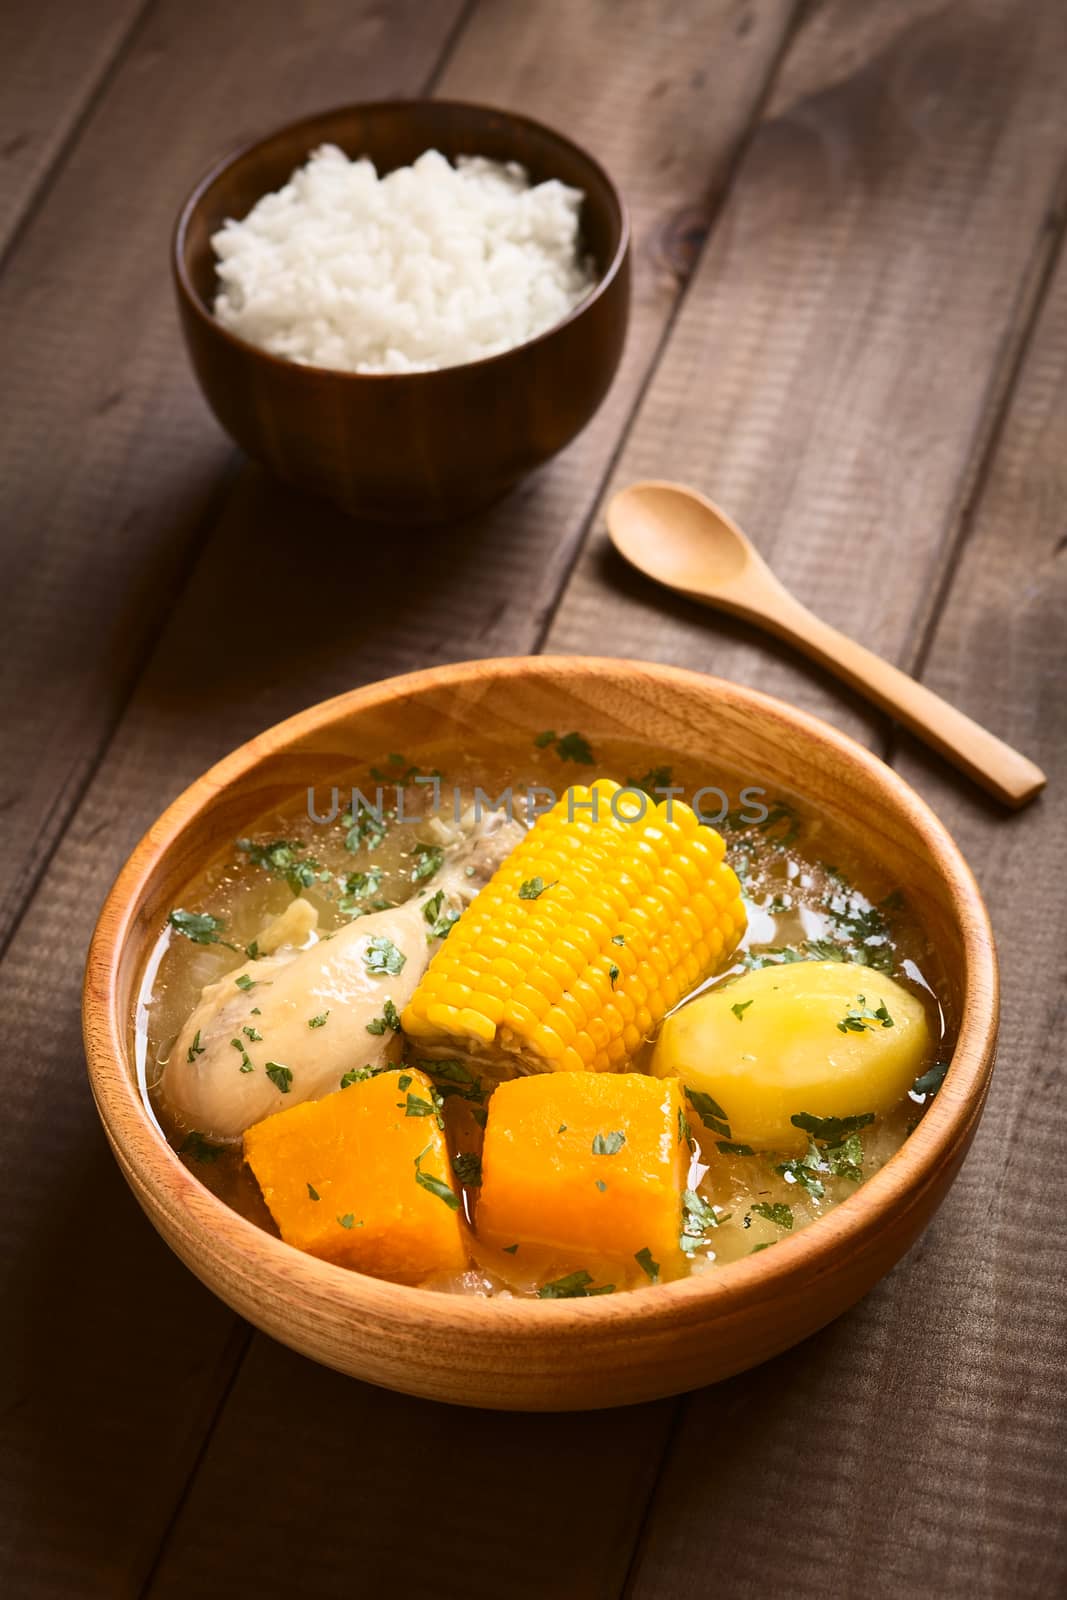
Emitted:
<point x="133" y="455"/>
<point x="118" y="1359"/>
<point x="53" y="59"/>
<point x="918" y="1446"/>
<point x="286" y="606"/>
<point x="110" y="462"/>
<point x="834" y="372"/>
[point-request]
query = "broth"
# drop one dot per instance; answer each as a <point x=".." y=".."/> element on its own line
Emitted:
<point x="810" y="893"/>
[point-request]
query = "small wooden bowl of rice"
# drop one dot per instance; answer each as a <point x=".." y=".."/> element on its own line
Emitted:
<point x="430" y="302"/>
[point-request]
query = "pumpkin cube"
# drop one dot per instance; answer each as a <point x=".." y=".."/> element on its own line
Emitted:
<point x="361" y="1178"/>
<point x="589" y="1167"/>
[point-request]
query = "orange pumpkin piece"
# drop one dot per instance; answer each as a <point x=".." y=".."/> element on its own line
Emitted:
<point x="588" y="1166"/>
<point x="361" y="1178"/>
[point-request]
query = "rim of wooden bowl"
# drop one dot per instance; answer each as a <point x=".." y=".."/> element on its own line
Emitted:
<point x="152" y="1166"/>
<point x="204" y="314"/>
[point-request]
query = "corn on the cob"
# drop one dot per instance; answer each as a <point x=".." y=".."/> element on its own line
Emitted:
<point x="597" y="923"/>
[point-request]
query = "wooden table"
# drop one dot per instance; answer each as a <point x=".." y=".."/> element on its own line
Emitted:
<point x="850" y="327"/>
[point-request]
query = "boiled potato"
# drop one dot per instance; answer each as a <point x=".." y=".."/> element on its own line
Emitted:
<point x="828" y="1038"/>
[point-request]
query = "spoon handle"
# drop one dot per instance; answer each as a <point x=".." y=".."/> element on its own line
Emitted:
<point x="1004" y="772"/>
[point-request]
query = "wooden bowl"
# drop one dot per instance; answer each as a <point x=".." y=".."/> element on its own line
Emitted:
<point x="567" y="1354"/>
<point x="407" y="447"/>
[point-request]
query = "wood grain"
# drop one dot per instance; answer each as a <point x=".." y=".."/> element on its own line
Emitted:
<point x="256" y="656"/>
<point x="54" y="58"/>
<point x="925" y="1432"/>
<point x="133" y="454"/>
<point x="103" y="521"/>
<point x="849" y="332"/>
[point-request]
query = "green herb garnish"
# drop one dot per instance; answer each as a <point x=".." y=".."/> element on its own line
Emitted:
<point x="356" y="1075"/>
<point x="283" y="859"/>
<point x="436" y="1186"/>
<point x="247" y="1064"/>
<point x="575" y="1286"/>
<point x="608" y="1144"/>
<point x="196" y="1048"/>
<point x="281" y="1077"/>
<point x="313" y="1193"/>
<point x="740" y="1008"/>
<point x="644" y="1260"/>
<point x="928" y="1083"/>
<point x="245" y="982"/>
<point x="728" y="1148"/>
<point x="429" y="860"/>
<point x="319" y="1021"/>
<point x="468" y="1169"/>
<point x="196" y="1144"/>
<point x="534" y="888"/>
<point x="199" y="926"/>
<point x="709" y="1111"/>
<point x="831" y="1130"/>
<point x="382" y="956"/>
<point x="252" y="1033"/>
<point x="781" y="1216"/>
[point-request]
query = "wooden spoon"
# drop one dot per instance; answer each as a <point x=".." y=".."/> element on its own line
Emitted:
<point x="679" y="538"/>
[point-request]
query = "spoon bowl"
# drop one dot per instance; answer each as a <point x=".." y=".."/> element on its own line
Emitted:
<point x="679" y="538"/>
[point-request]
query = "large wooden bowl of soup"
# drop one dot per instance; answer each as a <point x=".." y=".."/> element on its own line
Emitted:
<point x="779" y="1170"/>
<point x="408" y="447"/>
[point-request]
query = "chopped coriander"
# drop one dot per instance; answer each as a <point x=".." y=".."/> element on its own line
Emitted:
<point x="252" y="950"/>
<point x="440" y="921"/>
<point x="283" y="858"/>
<point x="766" y="1245"/>
<point x="382" y="956"/>
<point x="376" y="1025"/>
<point x="534" y="888"/>
<point x="562" y="1128"/>
<point x="436" y="1186"/>
<point x="613" y="975"/>
<point x="429" y="859"/>
<point x="313" y="1193"/>
<point x="196" y="1048"/>
<point x="247" y="1064"/>
<point x="319" y="1021"/>
<point x="356" y="1075"/>
<point x="697" y="1218"/>
<point x="644" y="1260"/>
<point x="255" y="1012"/>
<point x="367" y="827"/>
<point x="252" y="1033"/>
<point x="655" y="778"/>
<point x="454" y="1077"/>
<point x="416" y="1106"/>
<point x="199" y="926"/>
<point x="780" y="1215"/>
<point x="845" y="1160"/>
<point x="740" y="1008"/>
<point x="281" y="1077"/>
<point x="347" y="1220"/>
<point x="245" y="982"/>
<point x="510" y="1249"/>
<point x="860" y="1017"/>
<point x="601" y="1185"/>
<point x="685" y="1132"/>
<point x="618" y="938"/>
<point x="480" y="1115"/>
<point x="575" y="747"/>
<point x="404" y="1081"/>
<point x="608" y="1144"/>
<point x="196" y="1144"/>
<point x="804" y="1170"/>
<point x="569" y="746"/>
<point x="730" y="1149"/>
<point x="929" y="1082"/>
<point x="831" y="1129"/>
<point x="575" y="1286"/>
<point x="709" y="1111"/>
<point x="468" y="1169"/>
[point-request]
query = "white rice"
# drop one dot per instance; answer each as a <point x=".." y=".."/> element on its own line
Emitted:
<point x="431" y="266"/>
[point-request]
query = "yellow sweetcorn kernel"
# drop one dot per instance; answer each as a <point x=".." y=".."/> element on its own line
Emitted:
<point x="821" y="1038"/>
<point x="593" y="927"/>
<point x="587" y="1168"/>
<point x="362" y="1178"/>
